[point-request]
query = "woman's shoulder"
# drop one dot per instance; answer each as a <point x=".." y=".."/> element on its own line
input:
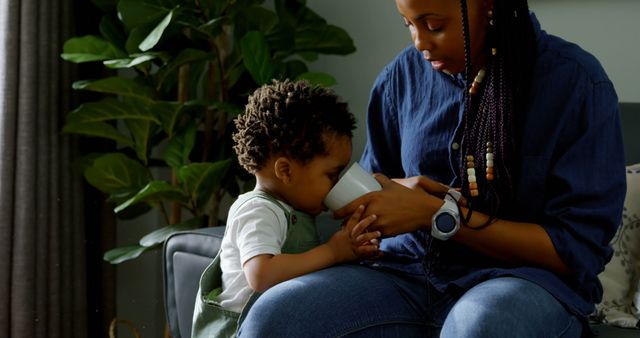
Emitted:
<point x="556" y="54"/>
<point x="407" y="61"/>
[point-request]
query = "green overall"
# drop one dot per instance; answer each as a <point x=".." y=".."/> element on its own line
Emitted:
<point x="212" y="320"/>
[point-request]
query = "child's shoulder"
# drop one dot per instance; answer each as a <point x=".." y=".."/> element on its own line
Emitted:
<point x="258" y="202"/>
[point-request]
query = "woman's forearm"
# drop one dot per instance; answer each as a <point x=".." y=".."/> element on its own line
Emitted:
<point x="514" y="242"/>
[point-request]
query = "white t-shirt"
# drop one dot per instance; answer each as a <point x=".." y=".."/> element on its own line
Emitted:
<point x="255" y="228"/>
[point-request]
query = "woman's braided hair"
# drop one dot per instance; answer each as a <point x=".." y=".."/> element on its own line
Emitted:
<point x="491" y="114"/>
<point x="291" y="119"/>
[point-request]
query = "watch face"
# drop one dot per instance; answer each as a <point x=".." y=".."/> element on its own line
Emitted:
<point x="445" y="222"/>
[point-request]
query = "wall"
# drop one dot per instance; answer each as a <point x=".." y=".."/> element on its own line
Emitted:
<point x="604" y="28"/>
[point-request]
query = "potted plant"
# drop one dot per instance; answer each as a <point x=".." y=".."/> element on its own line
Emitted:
<point x="182" y="69"/>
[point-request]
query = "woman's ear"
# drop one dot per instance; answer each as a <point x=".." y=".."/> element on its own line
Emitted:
<point x="282" y="168"/>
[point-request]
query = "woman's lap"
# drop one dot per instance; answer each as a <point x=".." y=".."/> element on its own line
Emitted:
<point x="359" y="301"/>
<point x="509" y="307"/>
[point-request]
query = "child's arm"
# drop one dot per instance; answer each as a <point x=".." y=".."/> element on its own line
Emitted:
<point x="349" y="243"/>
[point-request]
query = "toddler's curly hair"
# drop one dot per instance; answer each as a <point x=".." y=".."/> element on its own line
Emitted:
<point x="291" y="119"/>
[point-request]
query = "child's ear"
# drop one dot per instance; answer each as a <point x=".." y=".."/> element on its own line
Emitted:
<point x="282" y="168"/>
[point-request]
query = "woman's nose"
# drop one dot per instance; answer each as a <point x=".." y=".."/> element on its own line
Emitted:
<point x="422" y="40"/>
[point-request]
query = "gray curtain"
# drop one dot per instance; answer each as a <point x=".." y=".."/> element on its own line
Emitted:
<point x="42" y="265"/>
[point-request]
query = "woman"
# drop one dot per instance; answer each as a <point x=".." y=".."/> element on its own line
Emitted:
<point x="525" y="126"/>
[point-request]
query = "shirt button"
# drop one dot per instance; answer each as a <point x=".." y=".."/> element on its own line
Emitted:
<point x="455" y="146"/>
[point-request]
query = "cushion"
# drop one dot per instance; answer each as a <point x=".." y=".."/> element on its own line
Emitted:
<point x="620" y="279"/>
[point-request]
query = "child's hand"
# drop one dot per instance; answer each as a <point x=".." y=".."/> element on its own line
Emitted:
<point x="352" y="241"/>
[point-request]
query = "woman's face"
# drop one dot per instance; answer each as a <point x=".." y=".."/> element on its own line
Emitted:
<point x="436" y="31"/>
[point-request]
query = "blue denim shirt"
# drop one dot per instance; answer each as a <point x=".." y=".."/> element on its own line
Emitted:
<point x="571" y="165"/>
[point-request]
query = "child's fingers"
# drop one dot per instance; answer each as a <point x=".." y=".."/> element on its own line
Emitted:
<point x="363" y="225"/>
<point x="367" y="251"/>
<point x="368" y="237"/>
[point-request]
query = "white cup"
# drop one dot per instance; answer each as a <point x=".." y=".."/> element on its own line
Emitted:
<point x="354" y="183"/>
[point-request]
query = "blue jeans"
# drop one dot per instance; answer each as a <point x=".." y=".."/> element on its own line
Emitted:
<point x="356" y="301"/>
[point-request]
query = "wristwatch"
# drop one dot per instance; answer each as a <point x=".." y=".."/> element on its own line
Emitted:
<point x="446" y="221"/>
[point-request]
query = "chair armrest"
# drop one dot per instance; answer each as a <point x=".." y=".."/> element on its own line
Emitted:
<point x="185" y="255"/>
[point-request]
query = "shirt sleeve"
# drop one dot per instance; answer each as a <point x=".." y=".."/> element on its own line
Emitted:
<point x="586" y="187"/>
<point x="382" y="150"/>
<point x="261" y="229"/>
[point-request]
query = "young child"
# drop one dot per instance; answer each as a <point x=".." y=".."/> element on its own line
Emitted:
<point x="295" y="139"/>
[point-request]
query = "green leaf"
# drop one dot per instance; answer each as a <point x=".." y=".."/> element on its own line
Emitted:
<point x="309" y="56"/>
<point x="141" y="131"/>
<point x="112" y="30"/>
<point x="116" y="85"/>
<point x="122" y="254"/>
<point x="97" y="129"/>
<point x="135" y="13"/>
<point x="256" y="57"/>
<point x="161" y="235"/>
<point x="167" y="113"/>
<point x="111" y="109"/>
<point x="90" y="119"/>
<point x="89" y="48"/>
<point x="129" y="62"/>
<point x="115" y="173"/>
<point x="135" y="38"/>
<point x="203" y="179"/>
<point x="327" y="39"/>
<point x="293" y="69"/>
<point x="152" y="39"/>
<point x="262" y="19"/>
<point x="188" y="55"/>
<point x="176" y="153"/>
<point x="322" y="79"/>
<point x="153" y="193"/>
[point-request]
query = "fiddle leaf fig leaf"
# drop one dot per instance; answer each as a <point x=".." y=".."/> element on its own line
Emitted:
<point x="257" y="57"/>
<point x="90" y="119"/>
<point x="118" y="86"/>
<point x="123" y="254"/>
<point x="154" y="193"/>
<point x="116" y="173"/>
<point x="152" y="39"/>
<point x="262" y="19"/>
<point x="202" y="179"/>
<point x="112" y="30"/>
<point x="97" y="129"/>
<point x="141" y="132"/>
<point x="110" y="109"/>
<point x="188" y="55"/>
<point x="167" y="113"/>
<point x="176" y="153"/>
<point x="135" y="13"/>
<point x="322" y="79"/>
<point x="161" y="235"/>
<point x="89" y="48"/>
<point x="129" y="62"/>
<point x="327" y="39"/>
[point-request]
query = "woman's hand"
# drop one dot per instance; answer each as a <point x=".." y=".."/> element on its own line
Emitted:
<point x="423" y="183"/>
<point x="353" y="241"/>
<point x="399" y="209"/>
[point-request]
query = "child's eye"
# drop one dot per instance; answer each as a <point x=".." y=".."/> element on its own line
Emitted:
<point x="406" y="22"/>
<point x="334" y="177"/>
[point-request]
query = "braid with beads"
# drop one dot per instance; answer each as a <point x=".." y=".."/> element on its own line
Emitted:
<point x="491" y="113"/>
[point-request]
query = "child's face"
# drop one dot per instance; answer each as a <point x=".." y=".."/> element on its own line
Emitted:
<point x="312" y="181"/>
